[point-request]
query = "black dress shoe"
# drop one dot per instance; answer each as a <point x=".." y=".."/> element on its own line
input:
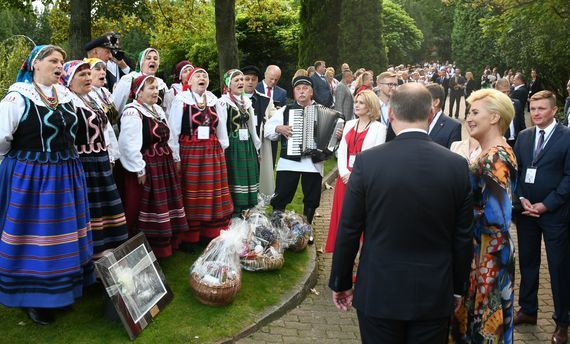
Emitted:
<point x="41" y="316"/>
<point x="523" y="318"/>
<point x="560" y="335"/>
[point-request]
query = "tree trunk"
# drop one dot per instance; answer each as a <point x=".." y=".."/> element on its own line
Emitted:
<point x="226" y="36"/>
<point x="79" y="28"/>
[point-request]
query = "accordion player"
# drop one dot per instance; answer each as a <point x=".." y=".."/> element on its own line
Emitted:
<point x="314" y="132"/>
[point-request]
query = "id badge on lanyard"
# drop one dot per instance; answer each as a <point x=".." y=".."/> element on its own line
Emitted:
<point x="203" y="132"/>
<point x="243" y="134"/>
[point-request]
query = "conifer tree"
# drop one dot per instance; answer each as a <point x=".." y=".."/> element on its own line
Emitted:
<point x="360" y="40"/>
<point x="319" y="21"/>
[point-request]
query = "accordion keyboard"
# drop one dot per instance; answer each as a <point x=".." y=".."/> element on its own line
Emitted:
<point x="295" y="143"/>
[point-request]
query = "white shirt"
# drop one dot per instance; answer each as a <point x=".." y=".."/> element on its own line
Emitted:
<point x="265" y="89"/>
<point x="384" y="109"/>
<point x="412" y="130"/>
<point x="547" y="134"/>
<point x="113" y="68"/>
<point x="305" y="165"/>
<point x="517" y="87"/>
<point x="434" y="121"/>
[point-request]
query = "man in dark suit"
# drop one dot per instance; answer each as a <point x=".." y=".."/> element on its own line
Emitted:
<point x="517" y="124"/>
<point x="259" y="100"/>
<point x="442" y="129"/>
<point x="543" y="156"/>
<point x="268" y="86"/>
<point x="322" y="91"/>
<point x="456" y="91"/>
<point x="443" y="80"/>
<point x="519" y="92"/>
<point x="413" y="268"/>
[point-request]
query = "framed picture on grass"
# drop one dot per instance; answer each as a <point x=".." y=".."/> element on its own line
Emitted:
<point x="135" y="283"/>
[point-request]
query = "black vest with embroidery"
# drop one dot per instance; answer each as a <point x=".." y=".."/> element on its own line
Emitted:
<point x="90" y="131"/>
<point x="155" y="136"/>
<point x="192" y="118"/>
<point x="236" y="120"/>
<point x="44" y="134"/>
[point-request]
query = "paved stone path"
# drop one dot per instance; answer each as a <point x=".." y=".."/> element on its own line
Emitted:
<point x="317" y="319"/>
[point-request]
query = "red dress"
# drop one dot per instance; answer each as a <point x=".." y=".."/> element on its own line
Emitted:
<point x="354" y="146"/>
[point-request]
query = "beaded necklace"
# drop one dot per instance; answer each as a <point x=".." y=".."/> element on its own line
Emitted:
<point x="51" y="102"/>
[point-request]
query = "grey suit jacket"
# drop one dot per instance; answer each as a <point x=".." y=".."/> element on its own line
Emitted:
<point x="344" y="103"/>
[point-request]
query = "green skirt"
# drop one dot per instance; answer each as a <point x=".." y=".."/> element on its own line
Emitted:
<point x="243" y="172"/>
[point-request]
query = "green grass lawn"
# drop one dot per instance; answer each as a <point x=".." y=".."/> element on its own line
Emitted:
<point x="184" y="320"/>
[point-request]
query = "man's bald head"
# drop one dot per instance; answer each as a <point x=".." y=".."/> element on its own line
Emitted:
<point x="272" y="75"/>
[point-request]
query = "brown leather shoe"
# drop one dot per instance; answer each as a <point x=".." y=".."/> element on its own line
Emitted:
<point x="560" y="335"/>
<point x="522" y="318"/>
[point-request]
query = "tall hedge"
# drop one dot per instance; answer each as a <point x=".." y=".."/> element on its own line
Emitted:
<point x="472" y="50"/>
<point x="319" y="21"/>
<point x="360" y="41"/>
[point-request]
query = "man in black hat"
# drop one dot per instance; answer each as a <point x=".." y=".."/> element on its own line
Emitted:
<point x="106" y="48"/>
<point x="261" y="103"/>
<point x="292" y="168"/>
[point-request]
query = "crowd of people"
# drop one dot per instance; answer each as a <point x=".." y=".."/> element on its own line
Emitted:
<point x="93" y="153"/>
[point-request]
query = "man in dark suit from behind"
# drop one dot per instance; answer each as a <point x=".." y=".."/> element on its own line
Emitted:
<point x="442" y="129"/>
<point x="519" y="92"/>
<point x="543" y="157"/>
<point x="517" y="124"/>
<point x="322" y="91"/>
<point x="413" y="268"/>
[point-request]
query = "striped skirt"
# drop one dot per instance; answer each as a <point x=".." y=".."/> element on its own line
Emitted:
<point x="45" y="245"/>
<point x="156" y="208"/>
<point x="243" y="173"/>
<point x="108" y="223"/>
<point x="207" y="198"/>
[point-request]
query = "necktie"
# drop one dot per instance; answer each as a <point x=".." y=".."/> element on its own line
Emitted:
<point x="540" y="144"/>
<point x="268" y="91"/>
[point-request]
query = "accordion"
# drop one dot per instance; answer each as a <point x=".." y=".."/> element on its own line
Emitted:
<point x="314" y="130"/>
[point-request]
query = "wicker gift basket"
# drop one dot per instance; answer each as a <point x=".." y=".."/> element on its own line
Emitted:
<point x="262" y="249"/>
<point x="215" y="277"/>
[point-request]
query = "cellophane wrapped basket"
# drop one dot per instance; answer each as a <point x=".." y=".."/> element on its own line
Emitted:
<point x="215" y="277"/>
<point x="294" y="228"/>
<point x="262" y="249"/>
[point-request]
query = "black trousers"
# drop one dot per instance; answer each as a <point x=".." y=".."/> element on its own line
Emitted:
<point x="386" y="331"/>
<point x="454" y="98"/>
<point x="286" y="185"/>
<point x="557" y="242"/>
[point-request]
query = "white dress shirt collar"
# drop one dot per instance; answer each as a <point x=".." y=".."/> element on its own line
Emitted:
<point x="434" y="121"/>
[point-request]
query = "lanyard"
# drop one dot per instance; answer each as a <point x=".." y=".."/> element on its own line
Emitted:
<point x="356" y="131"/>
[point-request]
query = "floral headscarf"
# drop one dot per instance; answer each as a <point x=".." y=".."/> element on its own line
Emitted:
<point x="93" y="61"/>
<point x="26" y="71"/>
<point x="69" y="69"/>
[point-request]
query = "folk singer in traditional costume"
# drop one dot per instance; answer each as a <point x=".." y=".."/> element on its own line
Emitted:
<point x="46" y="245"/>
<point x="100" y="93"/>
<point x="200" y="137"/>
<point x="180" y="77"/>
<point x="148" y="64"/>
<point x="241" y="155"/>
<point x="98" y="149"/>
<point x="151" y="194"/>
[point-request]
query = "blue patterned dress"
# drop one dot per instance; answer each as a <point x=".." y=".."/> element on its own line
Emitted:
<point x="487" y="313"/>
<point x="45" y="233"/>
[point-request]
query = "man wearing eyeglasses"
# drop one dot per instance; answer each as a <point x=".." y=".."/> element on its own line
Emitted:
<point x="386" y="82"/>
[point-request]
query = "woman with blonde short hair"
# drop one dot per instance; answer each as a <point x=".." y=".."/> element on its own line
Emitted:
<point x="493" y="178"/>
<point x="359" y="134"/>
